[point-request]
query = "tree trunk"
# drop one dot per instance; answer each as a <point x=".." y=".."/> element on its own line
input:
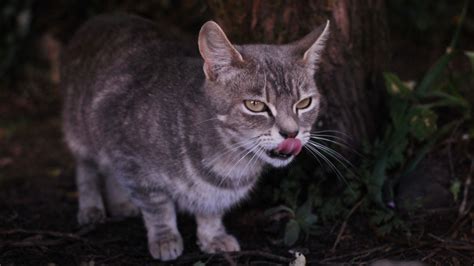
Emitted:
<point x="350" y="74"/>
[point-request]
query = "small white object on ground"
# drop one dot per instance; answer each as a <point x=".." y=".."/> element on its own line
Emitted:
<point x="300" y="260"/>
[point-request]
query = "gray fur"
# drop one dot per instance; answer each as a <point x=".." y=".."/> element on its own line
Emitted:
<point x="169" y="135"/>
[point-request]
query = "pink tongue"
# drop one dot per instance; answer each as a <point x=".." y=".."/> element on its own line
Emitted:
<point x="289" y="146"/>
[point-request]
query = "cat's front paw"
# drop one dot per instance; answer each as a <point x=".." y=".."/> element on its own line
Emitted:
<point x="168" y="247"/>
<point x="91" y="215"/>
<point x="219" y="243"/>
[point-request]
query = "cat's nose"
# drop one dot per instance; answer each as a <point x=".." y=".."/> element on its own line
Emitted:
<point x="287" y="135"/>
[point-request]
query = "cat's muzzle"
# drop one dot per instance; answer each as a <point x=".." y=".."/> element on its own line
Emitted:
<point x="287" y="148"/>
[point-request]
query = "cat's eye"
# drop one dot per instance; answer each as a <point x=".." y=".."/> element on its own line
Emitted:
<point x="255" y="106"/>
<point x="303" y="104"/>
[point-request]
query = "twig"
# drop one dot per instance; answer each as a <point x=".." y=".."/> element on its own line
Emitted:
<point x="451" y="241"/>
<point x="450" y="157"/>
<point x="434" y="252"/>
<point x="188" y="258"/>
<point x="464" y="247"/>
<point x="437" y="238"/>
<point x="229" y="260"/>
<point x="344" y="224"/>
<point x="234" y="255"/>
<point x="260" y="262"/>
<point x="453" y="244"/>
<point x="40" y="232"/>
<point x="467" y="185"/>
<point x="459" y="254"/>
<point x="263" y="254"/>
<point x="358" y="253"/>
<point x="37" y="237"/>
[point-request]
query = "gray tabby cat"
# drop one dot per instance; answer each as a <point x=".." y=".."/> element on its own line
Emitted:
<point x="162" y="131"/>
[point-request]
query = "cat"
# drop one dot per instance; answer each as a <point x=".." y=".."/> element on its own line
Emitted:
<point x="154" y="129"/>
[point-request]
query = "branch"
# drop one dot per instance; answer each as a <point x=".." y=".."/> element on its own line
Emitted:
<point x="344" y="224"/>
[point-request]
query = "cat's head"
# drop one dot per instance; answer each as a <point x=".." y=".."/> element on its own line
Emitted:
<point x="265" y="96"/>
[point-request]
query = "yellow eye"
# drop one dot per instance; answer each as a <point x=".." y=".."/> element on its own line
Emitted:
<point x="255" y="106"/>
<point x="303" y="104"/>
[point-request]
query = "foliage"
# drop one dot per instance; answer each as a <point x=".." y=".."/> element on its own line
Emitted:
<point x="416" y="124"/>
<point x="423" y="18"/>
<point x="15" y="26"/>
<point x="455" y="189"/>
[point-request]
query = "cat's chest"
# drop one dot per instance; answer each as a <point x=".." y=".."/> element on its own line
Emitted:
<point x="207" y="198"/>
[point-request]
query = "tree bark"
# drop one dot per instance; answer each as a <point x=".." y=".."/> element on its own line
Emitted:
<point x="350" y="75"/>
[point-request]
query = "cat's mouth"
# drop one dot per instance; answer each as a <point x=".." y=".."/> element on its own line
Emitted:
<point x="286" y="149"/>
<point x="274" y="154"/>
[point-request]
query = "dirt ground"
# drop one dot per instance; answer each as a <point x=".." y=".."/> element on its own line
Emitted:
<point x="38" y="201"/>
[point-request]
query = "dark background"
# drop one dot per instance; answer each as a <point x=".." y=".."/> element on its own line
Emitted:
<point x="37" y="192"/>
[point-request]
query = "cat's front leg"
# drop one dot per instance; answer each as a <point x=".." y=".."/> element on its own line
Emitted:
<point x="158" y="210"/>
<point x="212" y="236"/>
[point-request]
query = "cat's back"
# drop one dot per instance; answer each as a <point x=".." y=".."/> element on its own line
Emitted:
<point x="113" y="64"/>
<point x="115" y="44"/>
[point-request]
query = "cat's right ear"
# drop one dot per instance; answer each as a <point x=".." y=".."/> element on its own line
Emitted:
<point x="310" y="48"/>
<point x="219" y="55"/>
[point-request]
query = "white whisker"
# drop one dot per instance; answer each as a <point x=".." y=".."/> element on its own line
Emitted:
<point x="333" y="154"/>
<point x="329" y="163"/>
<point x="332" y="131"/>
<point x="341" y="144"/>
<point x="230" y="149"/>
<point x="343" y="140"/>
<point x="316" y="157"/>
<point x="251" y="159"/>
<point x="239" y="160"/>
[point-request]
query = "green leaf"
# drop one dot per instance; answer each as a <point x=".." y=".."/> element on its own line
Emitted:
<point x="455" y="189"/>
<point x="437" y="69"/>
<point x="427" y="147"/>
<point x="310" y="220"/>
<point x="397" y="155"/>
<point x="471" y="131"/>
<point x="304" y="210"/>
<point x="376" y="181"/>
<point x="351" y="194"/>
<point x="199" y="263"/>
<point x="292" y="232"/>
<point x="447" y="100"/>
<point x="422" y="123"/>
<point x="434" y="74"/>
<point x="272" y="211"/>
<point x="399" y="114"/>
<point x="395" y="86"/>
<point x="470" y="55"/>
<point x="305" y="216"/>
<point x="378" y="217"/>
<point x="457" y="33"/>
<point x="385" y="229"/>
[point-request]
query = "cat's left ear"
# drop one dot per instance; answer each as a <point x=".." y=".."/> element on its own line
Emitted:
<point x="312" y="45"/>
<point x="220" y="56"/>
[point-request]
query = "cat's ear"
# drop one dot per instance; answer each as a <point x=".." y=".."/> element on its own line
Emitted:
<point x="219" y="55"/>
<point x="310" y="47"/>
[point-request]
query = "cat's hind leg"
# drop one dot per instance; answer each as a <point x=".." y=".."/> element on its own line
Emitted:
<point x="91" y="206"/>
<point x="118" y="199"/>
<point x="212" y="236"/>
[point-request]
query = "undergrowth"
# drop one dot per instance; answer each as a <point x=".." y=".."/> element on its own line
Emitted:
<point x="413" y="129"/>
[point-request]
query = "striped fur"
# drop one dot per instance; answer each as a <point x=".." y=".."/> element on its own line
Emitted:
<point x="143" y="119"/>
